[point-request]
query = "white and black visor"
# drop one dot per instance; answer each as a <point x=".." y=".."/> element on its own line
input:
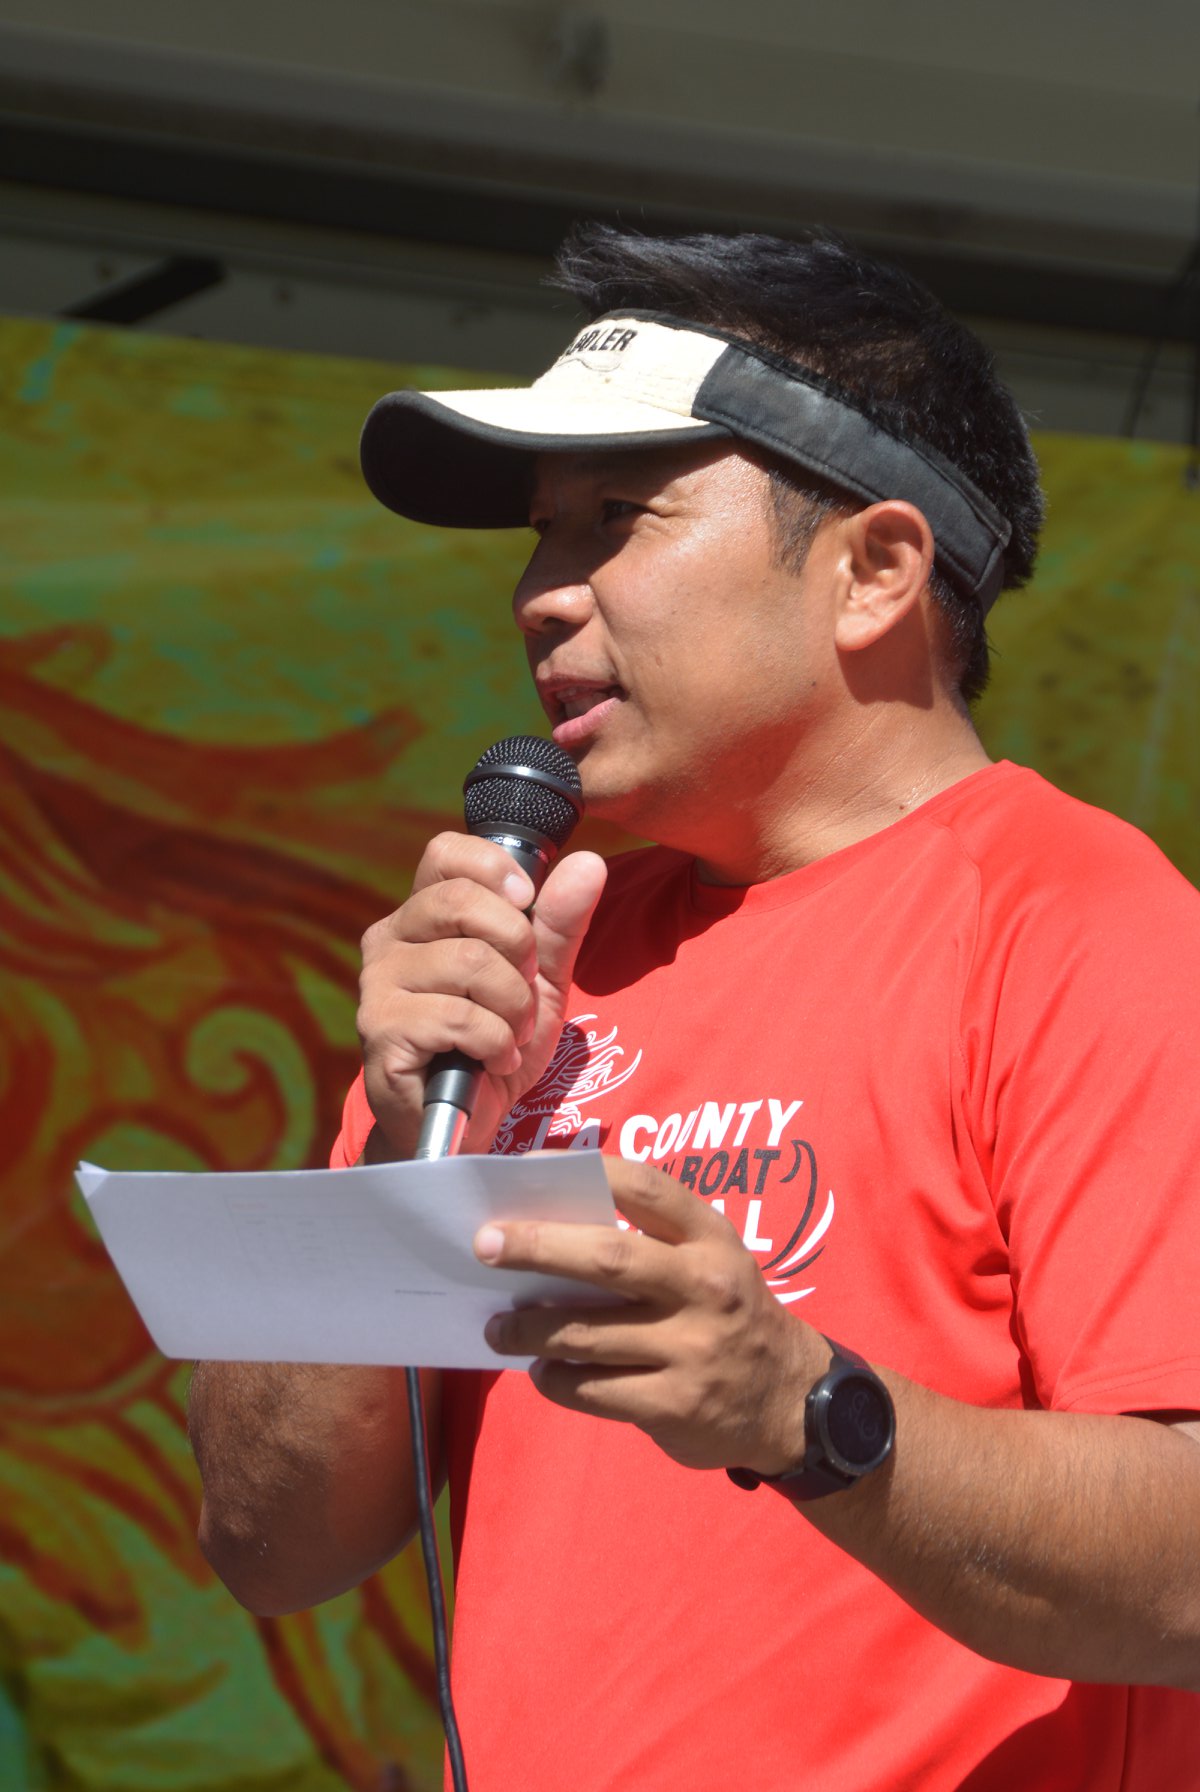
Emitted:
<point x="640" y="379"/>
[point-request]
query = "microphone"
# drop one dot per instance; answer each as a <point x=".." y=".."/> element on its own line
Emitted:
<point x="523" y="793"/>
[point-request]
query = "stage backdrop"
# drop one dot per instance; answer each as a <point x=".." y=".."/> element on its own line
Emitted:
<point x="236" y="696"/>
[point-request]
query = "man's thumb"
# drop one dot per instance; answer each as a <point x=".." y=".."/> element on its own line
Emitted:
<point x="564" y="908"/>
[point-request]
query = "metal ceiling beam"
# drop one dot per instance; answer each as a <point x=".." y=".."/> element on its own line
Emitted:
<point x="473" y="213"/>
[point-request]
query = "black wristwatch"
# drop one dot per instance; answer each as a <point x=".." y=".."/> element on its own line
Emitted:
<point x="849" y="1430"/>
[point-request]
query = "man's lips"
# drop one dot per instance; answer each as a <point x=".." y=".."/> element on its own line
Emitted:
<point x="577" y="699"/>
<point x="578" y="707"/>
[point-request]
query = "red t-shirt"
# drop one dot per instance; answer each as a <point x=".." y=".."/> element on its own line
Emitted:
<point x="945" y="1084"/>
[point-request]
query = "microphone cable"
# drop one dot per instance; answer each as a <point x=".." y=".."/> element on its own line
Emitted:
<point x="524" y="793"/>
<point x="433" y="1577"/>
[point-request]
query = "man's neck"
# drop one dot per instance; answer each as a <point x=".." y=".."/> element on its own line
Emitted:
<point x="855" y="788"/>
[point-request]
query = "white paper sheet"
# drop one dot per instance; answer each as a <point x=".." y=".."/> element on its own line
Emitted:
<point x="368" y="1265"/>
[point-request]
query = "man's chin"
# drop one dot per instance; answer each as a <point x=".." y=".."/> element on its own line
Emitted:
<point x="610" y="797"/>
<point x="605" y="802"/>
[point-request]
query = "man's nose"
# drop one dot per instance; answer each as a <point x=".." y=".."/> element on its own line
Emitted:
<point x="551" y="594"/>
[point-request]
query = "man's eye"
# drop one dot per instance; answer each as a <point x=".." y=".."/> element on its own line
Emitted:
<point x="614" y="509"/>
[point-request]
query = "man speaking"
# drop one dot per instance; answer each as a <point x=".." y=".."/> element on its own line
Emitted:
<point x="885" y="1475"/>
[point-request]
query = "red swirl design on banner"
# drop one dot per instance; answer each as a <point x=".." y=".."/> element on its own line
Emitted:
<point x="179" y="948"/>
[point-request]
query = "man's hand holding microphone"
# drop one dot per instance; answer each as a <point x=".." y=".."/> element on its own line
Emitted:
<point x="467" y="965"/>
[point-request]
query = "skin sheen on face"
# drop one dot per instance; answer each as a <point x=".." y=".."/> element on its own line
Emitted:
<point x="677" y="661"/>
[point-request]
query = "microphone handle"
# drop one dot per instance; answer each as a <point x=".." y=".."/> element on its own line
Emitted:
<point x="452" y="1081"/>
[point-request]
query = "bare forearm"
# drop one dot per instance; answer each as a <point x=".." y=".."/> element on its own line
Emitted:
<point x="307" y="1476"/>
<point x="1058" y="1543"/>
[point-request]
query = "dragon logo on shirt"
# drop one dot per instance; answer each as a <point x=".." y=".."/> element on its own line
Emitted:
<point x="581" y="1071"/>
<point x="747" y="1159"/>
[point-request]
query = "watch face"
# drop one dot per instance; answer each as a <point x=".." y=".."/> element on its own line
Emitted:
<point x="858" y="1422"/>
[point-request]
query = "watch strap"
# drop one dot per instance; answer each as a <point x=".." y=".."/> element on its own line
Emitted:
<point x="815" y="1477"/>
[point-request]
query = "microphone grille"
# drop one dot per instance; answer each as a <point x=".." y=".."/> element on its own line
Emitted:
<point x="537" y="754"/>
<point x="526" y="797"/>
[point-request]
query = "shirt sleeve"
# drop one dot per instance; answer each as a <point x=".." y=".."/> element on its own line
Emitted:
<point x="1082" y="1040"/>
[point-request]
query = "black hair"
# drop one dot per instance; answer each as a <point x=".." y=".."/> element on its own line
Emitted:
<point x="867" y="327"/>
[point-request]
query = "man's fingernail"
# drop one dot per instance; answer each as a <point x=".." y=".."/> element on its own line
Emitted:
<point x="518" y="889"/>
<point x="489" y="1242"/>
<point x="493" y="1331"/>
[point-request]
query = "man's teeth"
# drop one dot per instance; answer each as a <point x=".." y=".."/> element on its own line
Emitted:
<point x="577" y="700"/>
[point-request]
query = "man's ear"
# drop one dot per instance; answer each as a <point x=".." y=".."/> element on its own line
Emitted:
<point x="886" y="559"/>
